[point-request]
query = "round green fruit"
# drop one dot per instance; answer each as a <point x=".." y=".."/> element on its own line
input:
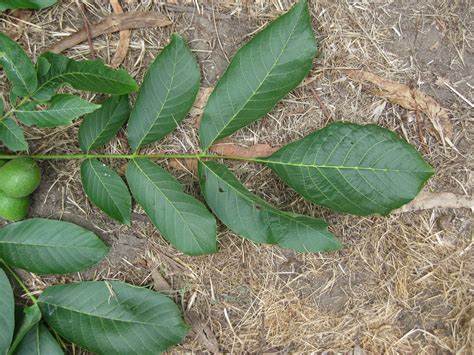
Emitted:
<point x="13" y="209"/>
<point x="19" y="177"/>
<point x="2" y="163"/>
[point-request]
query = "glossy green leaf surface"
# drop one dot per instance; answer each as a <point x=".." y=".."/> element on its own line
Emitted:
<point x="38" y="341"/>
<point x="166" y="95"/>
<point x="261" y="73"/>
<point x="47" y="246"/>
<point x="352" y="168"/>
<point x="106" y="189"/>
<point x="113" y="317"/>
<point x="55" y="70"/>
<point x="60" y="111"/>
<point x="100" y="126"/>
<point x="31" y="317"/>
<point x="25" y="4"/>
<point x="182" y="220"/>
<point x="12" y="135"/>
<point x="7" y="313"/>
<point x="17" y="66"/>
<point x="253" y="218"/>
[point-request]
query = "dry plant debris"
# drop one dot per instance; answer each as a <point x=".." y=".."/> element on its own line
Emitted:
<point x="409" y="98"/>
<point x="110" y="24"/>
<point x="401" y="285"/>
<point x="124" y="42"/>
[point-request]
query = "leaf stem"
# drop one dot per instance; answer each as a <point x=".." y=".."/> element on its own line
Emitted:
<point x="129" y="156"/>
<point x="19" y="281"/>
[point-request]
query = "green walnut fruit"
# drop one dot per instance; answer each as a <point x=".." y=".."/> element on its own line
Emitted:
<point x="19" y="177"/>
<point x="13" y="209"/>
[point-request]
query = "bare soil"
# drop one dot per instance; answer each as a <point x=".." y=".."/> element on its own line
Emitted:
<point x="402" y="284"/>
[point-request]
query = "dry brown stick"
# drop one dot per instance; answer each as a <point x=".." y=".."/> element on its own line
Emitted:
<point x="113" y="23"/>
<point x="124" y="40"/>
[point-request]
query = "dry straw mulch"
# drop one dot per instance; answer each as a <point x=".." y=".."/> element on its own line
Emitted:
<point x="402" y="284"/>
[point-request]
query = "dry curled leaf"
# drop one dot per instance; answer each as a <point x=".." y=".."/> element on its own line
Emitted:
<point x="110" y="24"/>
<point x="428" y="200"/>
<point x="200" y="104"/>
<point x="124" y="40"/>
<point x="407" y="97"/>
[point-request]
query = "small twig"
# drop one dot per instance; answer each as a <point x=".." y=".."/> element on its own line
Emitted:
<point x="110" y="24"/>
<point x="83" y="10"/>
<point x="460" y="95"/>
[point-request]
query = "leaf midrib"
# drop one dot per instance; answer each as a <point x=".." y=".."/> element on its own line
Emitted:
<point x="259" y="86"/>
<point x="102" y="317"/>
<point x="47" y="246"/>
<point x="77" y="73"/>
<point x="338" y="167"/>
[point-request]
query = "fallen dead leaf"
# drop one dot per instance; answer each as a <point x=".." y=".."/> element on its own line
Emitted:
<point x="110" y="24"/>
<point x="228" y="148"/>
<point x="225" y="148"/>
<point x="409" y="98"/>
<point x="428" y="200"/>
<point x="124" y="40"/>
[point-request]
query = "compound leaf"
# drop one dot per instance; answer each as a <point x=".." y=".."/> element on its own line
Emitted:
<point x="183" y="221"/>
<point x="106" y="189"/>
<point x="31" y="317"/>
<point x="12" y="135"/>
<point x="352" y="168"/>
<point x="166" y="95"/>
<point x="100" y="126"/>
<point x="7" y="313"/>
<point x="253" y="218"/>
<point x="55" y="70"/>
<point x="261" y="73"/>
<point x="61" y="110"/>
<point x="17" y="66"/>
<point x="39" y="341"/>
<point x="113" y="317"/>
<point x="25" y="4"/>
<point x="47" y="246"/>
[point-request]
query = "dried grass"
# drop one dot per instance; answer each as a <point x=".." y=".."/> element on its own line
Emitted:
<point x="402" y="284"/>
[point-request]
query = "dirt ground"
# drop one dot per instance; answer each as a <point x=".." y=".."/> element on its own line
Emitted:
<point x="401" y="284"/>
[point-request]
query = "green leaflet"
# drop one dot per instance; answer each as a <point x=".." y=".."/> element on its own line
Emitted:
<point x="12" y="136"/>
<point x="106" y="189"/>
<point x="31" y="317"/>
<point x="261" y="73"/>
<point x="113" y="317"/>
<point x="17" y="66"/>
<point x="182" y="220"/>
<point x="39" y="341"/>
<point x="352" y="168"/>
<point x="25" y="4"/>
<point x="7" y="313"/>
<point x="55" y="70"/>
<point x="253" y="218"/>
<point x="166" y="95"/>
<point x="100" y="126"/>
<point x="61" y="111"/>
<point x="47" y="246"/>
